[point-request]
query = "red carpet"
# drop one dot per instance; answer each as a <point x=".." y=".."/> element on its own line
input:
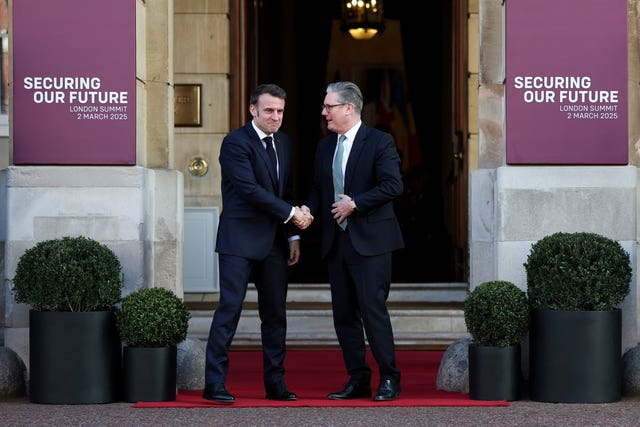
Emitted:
<point x="312" y="374"/>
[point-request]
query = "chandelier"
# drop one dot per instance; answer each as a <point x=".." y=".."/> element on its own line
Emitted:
<point x="362" y="19"/>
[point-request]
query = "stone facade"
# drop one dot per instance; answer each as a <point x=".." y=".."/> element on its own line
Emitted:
<point x="136" y="212"/>
<point x="513" y="206"/>
<point x="509" y="207"/>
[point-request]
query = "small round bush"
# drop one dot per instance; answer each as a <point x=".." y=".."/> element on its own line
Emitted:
<point x="577" y="271"/>
<point x="152" y="317"/>
<point x="497" y="314"/>
<point x="68" y="274"/>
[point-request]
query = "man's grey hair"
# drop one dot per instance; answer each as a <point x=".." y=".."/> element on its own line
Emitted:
<point x="348" y="93"/>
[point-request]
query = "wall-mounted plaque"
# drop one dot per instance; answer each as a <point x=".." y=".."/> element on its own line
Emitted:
<point x="186" y="100"/>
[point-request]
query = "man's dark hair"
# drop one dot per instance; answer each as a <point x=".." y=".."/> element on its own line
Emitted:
<point x="270" y="88"/>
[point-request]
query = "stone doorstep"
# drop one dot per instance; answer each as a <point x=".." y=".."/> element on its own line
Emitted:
<point x="413" y="328"/>
<point x="314" y="293"/>
<point x="423" y="316"/>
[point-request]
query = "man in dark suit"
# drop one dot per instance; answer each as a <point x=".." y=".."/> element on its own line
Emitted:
<point x="356" y="178"/>
<point x="256" y="239"/>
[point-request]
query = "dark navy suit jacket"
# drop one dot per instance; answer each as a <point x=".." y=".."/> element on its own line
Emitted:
<point x="372" y="178"/>
<point x="255" y="203"/>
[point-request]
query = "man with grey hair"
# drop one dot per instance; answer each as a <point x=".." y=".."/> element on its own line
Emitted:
<point x="356" y="179"/>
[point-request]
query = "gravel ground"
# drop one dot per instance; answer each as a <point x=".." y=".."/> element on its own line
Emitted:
<point x="20" y="412"/>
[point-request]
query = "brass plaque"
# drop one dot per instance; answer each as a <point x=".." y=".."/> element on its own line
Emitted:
<point x="186" y="104"/>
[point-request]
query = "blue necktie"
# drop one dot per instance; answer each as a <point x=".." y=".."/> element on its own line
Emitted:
<point x="338" y="184"/>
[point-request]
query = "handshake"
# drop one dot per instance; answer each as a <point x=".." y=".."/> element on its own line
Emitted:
<point x="302" y="217"/>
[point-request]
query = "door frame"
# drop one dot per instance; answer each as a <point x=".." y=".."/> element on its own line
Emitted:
<point x="241" y="81"/>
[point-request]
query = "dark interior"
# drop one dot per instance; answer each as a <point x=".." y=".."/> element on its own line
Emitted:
<point x="290" y="47"/>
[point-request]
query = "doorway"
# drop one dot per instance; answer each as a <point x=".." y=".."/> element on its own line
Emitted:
<point x="413" y="80"/>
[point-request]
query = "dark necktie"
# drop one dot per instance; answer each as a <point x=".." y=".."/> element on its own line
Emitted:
<point x="271" y="151"/>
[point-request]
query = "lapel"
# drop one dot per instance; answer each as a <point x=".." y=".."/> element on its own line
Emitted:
<point x="354" y="155"/>
<point x="262" y="153"/>
<point x="331" y="145"/>
<point x="282" y="162"/>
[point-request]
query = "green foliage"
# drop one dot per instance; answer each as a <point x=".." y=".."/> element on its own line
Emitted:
<point x="152" y="317"/>
<point x="68" y="274"/>
<point x="577" y="271"/>
<point x="497" y="314"/>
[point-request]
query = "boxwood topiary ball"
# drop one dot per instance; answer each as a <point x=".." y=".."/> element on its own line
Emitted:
<point x="68" y="274"/>
<point x="152" y="317"/>
<point x="497" y="314"/>
<point x="577" y="271"/>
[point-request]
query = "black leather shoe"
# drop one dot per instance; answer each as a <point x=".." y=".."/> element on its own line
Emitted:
<point x="218" y="393"/>
<point x="387" y="390"/>
<point x="279" y="392"/>
<point x="352" y="390"/>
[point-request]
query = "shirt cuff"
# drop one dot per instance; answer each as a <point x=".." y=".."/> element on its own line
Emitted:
<point x="293" y="210"/>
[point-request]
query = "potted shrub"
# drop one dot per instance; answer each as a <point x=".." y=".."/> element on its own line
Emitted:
<point x="151" y="323"/>
<point x="575" y="283"/>
<point x="497" y="317"/>
<point x="72" y="285"/>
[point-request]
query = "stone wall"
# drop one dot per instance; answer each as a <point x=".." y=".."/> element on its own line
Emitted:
<point x="136" y="212"/>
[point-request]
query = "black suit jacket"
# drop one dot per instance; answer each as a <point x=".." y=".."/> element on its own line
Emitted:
<point x="373" y="180"/>
<point x="255" y="203"/>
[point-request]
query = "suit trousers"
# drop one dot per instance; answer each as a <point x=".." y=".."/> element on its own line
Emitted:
<point x="270" y="276"/>
<point x="359" y="290"/>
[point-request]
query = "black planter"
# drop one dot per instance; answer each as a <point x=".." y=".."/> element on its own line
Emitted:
<point x="575" y="356"/>
<point x="74" y="357"/>
<point x="495" y="373"/>
<point x="149" y="374"/>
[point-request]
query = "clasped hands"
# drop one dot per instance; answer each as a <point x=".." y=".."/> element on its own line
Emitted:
<point x="302" y="217"/>
<point x="341" y="209"/>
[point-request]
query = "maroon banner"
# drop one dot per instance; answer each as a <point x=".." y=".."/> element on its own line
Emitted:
<point x="566" y="88"/>
<point x="74" y="82"/>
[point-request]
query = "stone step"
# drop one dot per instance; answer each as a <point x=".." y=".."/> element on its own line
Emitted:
<point x="425" y="316"/>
